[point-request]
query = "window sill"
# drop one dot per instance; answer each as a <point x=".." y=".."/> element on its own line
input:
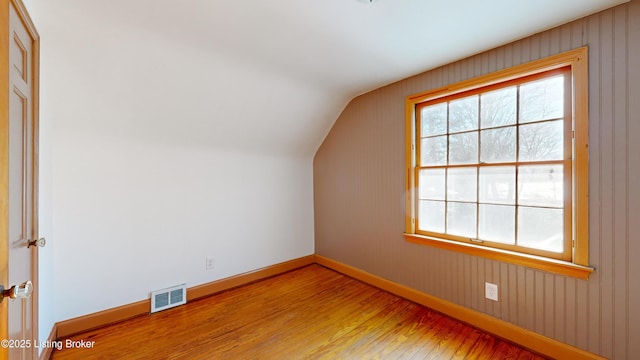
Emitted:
<point x="530" y="261"/>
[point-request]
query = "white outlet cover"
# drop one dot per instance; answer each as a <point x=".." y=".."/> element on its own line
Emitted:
<point x="491" y="291"/>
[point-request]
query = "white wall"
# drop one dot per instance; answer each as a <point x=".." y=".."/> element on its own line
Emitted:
<point x="145" y="171"/>
<point x="134" y="216"/>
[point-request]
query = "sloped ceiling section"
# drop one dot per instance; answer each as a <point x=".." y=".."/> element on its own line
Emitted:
<point x="273" y="75"/>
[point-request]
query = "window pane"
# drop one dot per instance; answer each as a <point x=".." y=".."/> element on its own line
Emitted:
<point x="542" y="99"/>
<point x="543" y="141"/>
<point x="462" y="184"/>
<point x="498" y="145"/>
<point x="498" y="184"/>
<point x="463" y="148"/>
<point x="431" y="184"/>
<point x="463" y="114"/>
<point x="497" y="223"/>
<point x="540" y="228"/>
<point x="433" y="151"/>
<point x="461" y="219"/>
<point x="434" y="119"/>
<point x="540" y="185"/>
<point x="431" y="216"/>
<point x="498" y="107"/>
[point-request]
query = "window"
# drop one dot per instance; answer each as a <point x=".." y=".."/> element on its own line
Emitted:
<point x="498" y="165"/>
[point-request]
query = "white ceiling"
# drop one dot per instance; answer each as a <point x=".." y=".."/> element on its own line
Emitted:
<point x="283" y="70"/>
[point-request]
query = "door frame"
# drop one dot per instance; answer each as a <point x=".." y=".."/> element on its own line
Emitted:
<point x="4" y="158"/>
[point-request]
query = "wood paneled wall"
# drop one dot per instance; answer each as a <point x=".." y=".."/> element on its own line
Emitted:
<point x="359" y="179"/>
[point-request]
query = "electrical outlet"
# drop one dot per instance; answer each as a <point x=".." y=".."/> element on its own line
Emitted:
<point x="491" y="291"/>
<point x="209" y="265"/>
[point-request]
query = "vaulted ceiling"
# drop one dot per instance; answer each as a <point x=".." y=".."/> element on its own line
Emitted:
<point x="273" y="75"/>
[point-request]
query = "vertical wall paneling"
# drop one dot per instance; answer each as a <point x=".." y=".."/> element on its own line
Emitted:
<point x="581" y="313"/>
<point x="504" y="294"/>
<point x="570" y="311"/>
<point x="517" y="303"/>
<point x="519" y="300"/>
<point x="480" y="278"/>
<point x="620" y="116"/>
<point x="591" y="319"/>
<point x="606" y="174"/>
<point x="633" y="131"/>
<point x="359" y="183"/>
<point x="538" y="296"/>
<point x="548" y="313"/>
<point x="560" y="302"/>
<point x="530" y="299"/>
<point x="498" y="307"/>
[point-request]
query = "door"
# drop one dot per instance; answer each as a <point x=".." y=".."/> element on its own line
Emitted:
<point x="19" y="180"/>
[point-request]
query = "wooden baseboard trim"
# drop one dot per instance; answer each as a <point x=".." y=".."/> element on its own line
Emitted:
<point x="48" y="350"/>
<point x="103" y="318"/>
<point x="500" y="328"/>
<point x="211" y="288"/>
<point x="99" y="319"/>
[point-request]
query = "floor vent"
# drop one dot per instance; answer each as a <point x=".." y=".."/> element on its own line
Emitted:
<point x="168" y="298"/>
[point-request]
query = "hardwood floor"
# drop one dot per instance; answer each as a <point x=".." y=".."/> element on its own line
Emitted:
<point x="309" y="313"/>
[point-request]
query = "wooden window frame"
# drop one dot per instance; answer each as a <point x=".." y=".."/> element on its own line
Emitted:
<point x="577" y="263"/>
